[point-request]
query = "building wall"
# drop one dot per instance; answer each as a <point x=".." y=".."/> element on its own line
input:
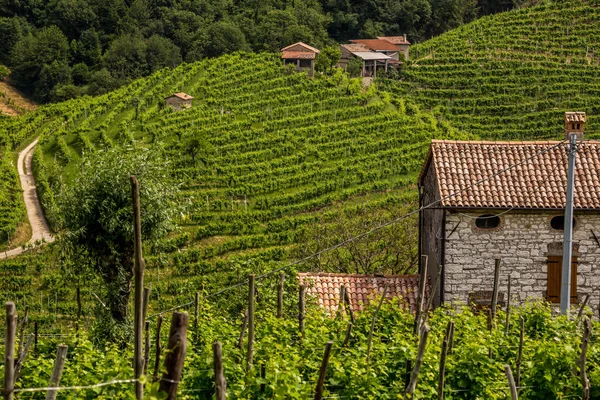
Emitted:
<point x="431" y="227"/>
<point x="299" y="47"/>
<point x="178" y="103"/>
<point x="404" y="49"/>
<point x="523" y="242"/>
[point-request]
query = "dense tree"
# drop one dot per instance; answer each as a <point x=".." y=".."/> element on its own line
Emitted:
<point x="11" y="31"/>
<point x="328" y="58"/>
<point x="225" y="37"/>
<point x="97" y="216"/>
<point x="55" y="73"/>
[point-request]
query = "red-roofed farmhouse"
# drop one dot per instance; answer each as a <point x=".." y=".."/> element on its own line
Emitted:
<point x="301" y="55"/>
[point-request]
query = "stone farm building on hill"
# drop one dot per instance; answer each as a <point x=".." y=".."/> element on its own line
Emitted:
<point x="179" y="101"/>
<point x="325" y="287"/>
<point x="515" y="216"/>
<point x="376" y="54"/>
<point x="301" y="55"/>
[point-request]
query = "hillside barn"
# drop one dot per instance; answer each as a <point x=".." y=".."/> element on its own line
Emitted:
<point x="302" y="56"/>
<point x="179" y="101"/>
<point x="371" y="60"/>
<point x="401" y="42"/>
<point x="505" y="200"/>
<point x="361" y="289"/>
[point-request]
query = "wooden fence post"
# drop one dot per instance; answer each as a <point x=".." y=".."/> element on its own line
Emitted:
<point x="280" y="295"/>
<point x="22" y="356"/>
<point x="520" y="353"/>
<point x="370" y="342"/>
<point x="301" y="310"/>
<point x="9" y="350"/>
<point x="59" y="363"/>
<point x="495" y="292"/>
<point x="175" y="355"/>
<point x="220" y="382"/>
<point x="323" y="371"/>
<point x="585" y="382"/>
<point x="421" y="294"/>
<point x="147" y="347"/>
<point x="250" y="354"/>
<point x="507" y="324"/>
<point x="138" y="356"/>
<point x="514" y="395"/>
<point x="243" y="329"/>
<point x="196" y="314"/>
<point x="410" y="390"/>
<point x="158" y="347"/>
<point x="442" y="371"/>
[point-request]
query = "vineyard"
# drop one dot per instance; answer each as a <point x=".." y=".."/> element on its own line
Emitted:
<point x="511" y="75"/>
<point x="263" y="155"/>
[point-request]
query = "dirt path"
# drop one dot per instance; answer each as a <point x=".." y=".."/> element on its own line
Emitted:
<point x="39" y="227"/>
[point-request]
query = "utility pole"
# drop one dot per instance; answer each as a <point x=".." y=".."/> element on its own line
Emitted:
<point x="565" y="287"/>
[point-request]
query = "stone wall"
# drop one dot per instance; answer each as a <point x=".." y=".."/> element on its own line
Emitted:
<point x="523" y="241"/>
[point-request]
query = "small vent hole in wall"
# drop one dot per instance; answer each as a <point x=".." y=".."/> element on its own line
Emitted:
<point x="487" y="221"/>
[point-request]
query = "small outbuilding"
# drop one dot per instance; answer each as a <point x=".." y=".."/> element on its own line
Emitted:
<point x="301" y="55"/>
<point x="361" y="289"/>
<point x="179" y="101"/>
<point x="371" y="60"/>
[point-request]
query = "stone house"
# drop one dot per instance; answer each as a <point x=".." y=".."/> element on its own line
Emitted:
<point x="361" y="289"/>
<point x="505" y="200"/>
<point x="371" y="60"/>
<point x="302" y="56"/>
<point x="400" y="41"/>
<point x="179" y="101"/>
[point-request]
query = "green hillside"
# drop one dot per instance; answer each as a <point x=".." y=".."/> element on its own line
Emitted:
<point x="263" y="155"/>
<point x="512" y="75"/>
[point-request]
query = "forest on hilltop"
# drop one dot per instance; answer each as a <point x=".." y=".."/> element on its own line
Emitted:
<point x="61" y="49"/>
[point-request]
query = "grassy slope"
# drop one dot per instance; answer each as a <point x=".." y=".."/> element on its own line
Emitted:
<point x="512" y="75"/>
<point x="283" y="149"/>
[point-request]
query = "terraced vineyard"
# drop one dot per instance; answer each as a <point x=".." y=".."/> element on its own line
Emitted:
<point x="262" y="154"/>
<point x="512" y="75"/>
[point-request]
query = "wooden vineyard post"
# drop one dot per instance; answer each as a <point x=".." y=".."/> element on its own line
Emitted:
<point x="22" y="326"/>
<point x="410" y="390"/>
<point x="348" y="334"/>
<point x="59" y="363"/>
<point x="138" y="363"/>
<point x="9" y="350"/>
<point x="250" y="354"/>
<point x="78" y="302"/>
<point x="425" y="318"/>
<point x="146" y="302"/>
<point x="348" y="304"/>
<point x="323" y="371"/>
<point x="280" y="288"/>
<point x="196" y="314"/>
<point x="585" y="341"/>
<point x="421" y="294"/>
<point x="582" y="307"/>
<point x="301" y="310"/>
<point x="340" y="310"/>
<point x="520" y="353"/>
<point x="495" y="293"/>
<point x="146" y="347"/>
<point x="451" y="340"/>
<point x="158" y="347"/>
<point x="507" y="324"/>
<point x="220" y="382"/>
<point x="22" y="356"/>
<point x="35" y="333"/>
<point x="175" y="355"/>
<point x="442" y="371"/>
<point x="514" y="395"/>
<point x="243" y="330"/>
<point x="373" y="322"/>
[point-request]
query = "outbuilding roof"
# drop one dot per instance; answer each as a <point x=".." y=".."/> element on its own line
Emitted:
<point x="181" y="95"/>
<point x="394" y="39"/>
<point x="297" y="55"/>
<point x="575" y="116"/>
<point x="377" y="44"/>
<point x="361" y="289"/>
<point x="371" y="55"/>
<point x="307" y="47"/>
<point x="519" y="175"/>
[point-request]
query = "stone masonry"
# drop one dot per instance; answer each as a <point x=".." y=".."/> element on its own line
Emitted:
<point x="523" y="241"/>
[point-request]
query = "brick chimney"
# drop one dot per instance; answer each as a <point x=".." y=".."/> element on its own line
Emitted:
<point x="574" y="123"/>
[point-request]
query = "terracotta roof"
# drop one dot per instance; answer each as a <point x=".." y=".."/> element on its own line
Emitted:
<point x="394" y="39"/>
<point x="309" y="48"/>
<point x="352" y="47"/>
<point x="576" y="116"/>
<point x="377" y="44"/>
<point x="535" y="184"/>
<point x="304" y="55"/>
<point x="361" y="289"/>
<point x="181" y="95"/>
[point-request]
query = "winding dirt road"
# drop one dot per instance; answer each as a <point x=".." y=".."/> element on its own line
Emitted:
<point x="39" y="226"/>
